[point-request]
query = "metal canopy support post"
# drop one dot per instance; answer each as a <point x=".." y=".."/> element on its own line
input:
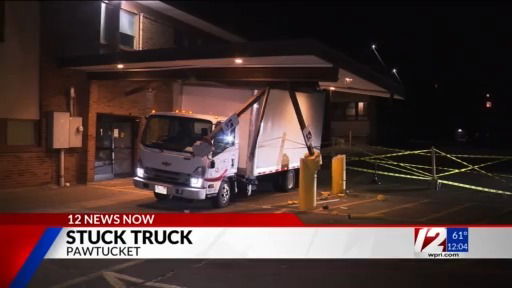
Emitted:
<point x="309" y="164"/>
<point x="300" y="117"/>
<point x="256" y="134"/>
<point x="246" y="107"/>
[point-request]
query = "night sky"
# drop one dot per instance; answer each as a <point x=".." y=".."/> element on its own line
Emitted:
<point x="461" y="47"/>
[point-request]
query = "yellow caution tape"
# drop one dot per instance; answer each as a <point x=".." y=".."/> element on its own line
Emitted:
<point x="482" y="156"/>
<point x="475" y="187"/>
<point x="423" y="174"/>
<point x="472" y="167"/>
<point x="393" y="154"/>
<point x="388" y="173"/>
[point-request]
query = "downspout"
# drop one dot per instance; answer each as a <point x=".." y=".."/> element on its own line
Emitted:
<point x="72" y="97"/>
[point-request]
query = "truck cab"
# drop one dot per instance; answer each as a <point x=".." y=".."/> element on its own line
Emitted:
<point x="167" y="164"/>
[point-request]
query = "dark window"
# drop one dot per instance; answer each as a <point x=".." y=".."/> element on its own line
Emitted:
<point x="174" y="133"/>
<point x="2" y="21"/>
<point x="127" y="29"/>
<point x="348" y="111"/>
<point x="19" y="132"/>
<point x="181" y="40"/>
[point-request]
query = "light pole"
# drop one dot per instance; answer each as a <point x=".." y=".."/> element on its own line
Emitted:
<point x="395" y="72"/>
<point x="374" y="49"/>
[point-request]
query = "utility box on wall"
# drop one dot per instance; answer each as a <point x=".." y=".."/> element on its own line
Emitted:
<point x="64" y="131"/>
<point x="75" y="132"/>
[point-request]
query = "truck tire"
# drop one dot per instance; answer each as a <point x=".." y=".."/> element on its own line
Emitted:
<point x="161" y="197"/>
<point x="223" y="195"/>
<point x="244" y="189"/>
<point x="286" y="181"/>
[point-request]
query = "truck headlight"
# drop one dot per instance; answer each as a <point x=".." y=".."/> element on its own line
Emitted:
<point x="139" y="172"/>
<point x="196" y="182"/>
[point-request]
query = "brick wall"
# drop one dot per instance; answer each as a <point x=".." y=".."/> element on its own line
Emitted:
<point x="160" y="30"/>
<point x="108" y="97"/>
<point x="33" y="166"/>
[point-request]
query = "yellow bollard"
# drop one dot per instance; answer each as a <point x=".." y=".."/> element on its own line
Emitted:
<point x="309" y="165"/>
<point x="338" y="175"/>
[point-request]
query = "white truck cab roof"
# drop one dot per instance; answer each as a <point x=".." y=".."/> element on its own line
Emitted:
<point x="186" y="114"/>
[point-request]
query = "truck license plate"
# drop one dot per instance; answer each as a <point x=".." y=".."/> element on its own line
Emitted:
<point x="160" y="189"/>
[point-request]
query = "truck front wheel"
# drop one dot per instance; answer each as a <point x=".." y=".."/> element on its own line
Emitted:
<point x="223" y="196"/>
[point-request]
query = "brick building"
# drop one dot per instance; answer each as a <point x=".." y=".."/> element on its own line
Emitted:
<point x="124" y="60"/>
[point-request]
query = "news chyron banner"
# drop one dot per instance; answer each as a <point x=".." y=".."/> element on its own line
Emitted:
<point x="27" y="239"/>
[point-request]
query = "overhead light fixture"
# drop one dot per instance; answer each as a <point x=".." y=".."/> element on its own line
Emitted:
<point x="239" y="60"/>
<point x="120" y="66"/>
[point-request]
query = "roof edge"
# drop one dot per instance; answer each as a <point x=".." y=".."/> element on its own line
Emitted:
<point x="185" y="17"/>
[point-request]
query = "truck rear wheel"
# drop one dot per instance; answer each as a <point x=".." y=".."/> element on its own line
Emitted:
<point x="161" y="197"/>
<point x="286" y="181"/>
<point x="244" y="189"/>
<point x="223" y="195"/>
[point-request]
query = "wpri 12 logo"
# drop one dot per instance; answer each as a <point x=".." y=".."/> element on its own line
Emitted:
<point x="441" y="242"/>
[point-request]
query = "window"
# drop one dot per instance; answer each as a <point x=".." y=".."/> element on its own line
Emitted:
<point x="222" y="141"/>
<point x="362" y="113"/>
<point x="103" y="29"/>
<point x="174" y="133"/>
<point x="2" y="20"/>
<point x="127" y="29"/>
<point x="349" y="111"/>
<point x="21" y="133"/>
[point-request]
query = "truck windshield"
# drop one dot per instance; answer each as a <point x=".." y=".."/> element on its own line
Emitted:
<point x="174" y="133"/>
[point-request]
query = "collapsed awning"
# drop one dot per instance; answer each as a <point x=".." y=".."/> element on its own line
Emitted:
<point x="282" y="61"/>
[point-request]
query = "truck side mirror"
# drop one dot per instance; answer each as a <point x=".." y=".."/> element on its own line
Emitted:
<point x="212" y="164"/>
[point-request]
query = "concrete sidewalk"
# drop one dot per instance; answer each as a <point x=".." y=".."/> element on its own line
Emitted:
<point x="76" y="198"/>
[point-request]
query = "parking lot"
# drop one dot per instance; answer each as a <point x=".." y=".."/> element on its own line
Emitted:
<point x="394" y="201"/>
<point x="270" y="273"/>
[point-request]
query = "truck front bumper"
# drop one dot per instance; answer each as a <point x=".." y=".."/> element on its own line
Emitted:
<point x="172" y="190"/>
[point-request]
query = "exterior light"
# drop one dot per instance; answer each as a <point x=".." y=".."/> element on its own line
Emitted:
<point x="459" y="130"/>
<point x="487" y="95"/>
<point x="153" y="111"/>
<point x="140" y="172"/>
<point x="394" y="70"/>
<point x="348" y="80"/>
<point x="239" y="60"/>
<point x="488" y="104"/>
<point x="374" y="46"/>
<point x="332" y="88"/>
<point x="120" y="66"/>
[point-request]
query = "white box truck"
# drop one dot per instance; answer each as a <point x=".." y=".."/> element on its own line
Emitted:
<point x="263" y="137"/>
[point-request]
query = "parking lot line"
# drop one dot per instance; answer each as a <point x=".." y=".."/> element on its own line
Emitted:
<point x="93" y="275"/>
<point x="133" y="190"/>
<point x="343" y="204"/>
<point x="398" y="207"/>
<point x="445" y="212"/>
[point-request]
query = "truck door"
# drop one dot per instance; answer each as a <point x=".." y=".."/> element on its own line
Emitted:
<point x="225" y="153"/>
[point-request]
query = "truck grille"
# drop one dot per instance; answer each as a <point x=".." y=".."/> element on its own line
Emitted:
<point x="169" y="177"/>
